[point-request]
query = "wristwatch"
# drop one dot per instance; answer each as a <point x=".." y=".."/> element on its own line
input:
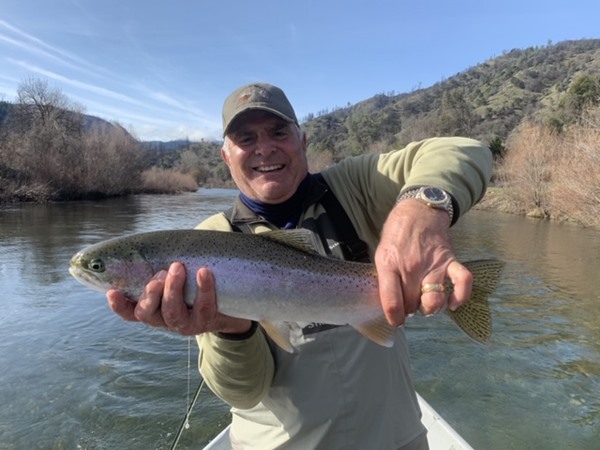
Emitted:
<point x="432" y="196"/>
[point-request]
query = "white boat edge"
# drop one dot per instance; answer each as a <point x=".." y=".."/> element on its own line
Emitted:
<point x="440" y="434"/>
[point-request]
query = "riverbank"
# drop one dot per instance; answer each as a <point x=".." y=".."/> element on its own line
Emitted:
<point x="496" y="198"/>
<point x="151" y="181"/>
<point x="499" y="199"/>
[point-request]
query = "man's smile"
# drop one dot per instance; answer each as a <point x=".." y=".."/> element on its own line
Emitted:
<point x="270" y="168"/>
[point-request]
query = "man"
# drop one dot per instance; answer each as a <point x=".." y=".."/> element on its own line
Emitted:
<point x="338" y="390"/>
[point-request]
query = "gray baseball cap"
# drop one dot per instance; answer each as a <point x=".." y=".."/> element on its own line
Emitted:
<point x="260" y="96"/>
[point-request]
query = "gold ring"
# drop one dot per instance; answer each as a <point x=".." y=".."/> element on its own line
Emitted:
<point x="446" y="286"/>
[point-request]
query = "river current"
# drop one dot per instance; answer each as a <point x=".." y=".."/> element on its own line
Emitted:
<point x="75" y="376"/>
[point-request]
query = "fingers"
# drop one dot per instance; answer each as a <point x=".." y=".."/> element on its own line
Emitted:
<point x="463" y="284"/>
<point x="175" y="313"/>
<point x="392" y="300"/>
<point x="202" y="316"/>
<point x="434" y="292"/>
<point x="399" y="294"/>
<point x="414" y="248"/>
<point x="121" y="305"/>
<point x="162" y="305"/>
<point x="450" y="288"/>
<point x="148" y="307"/>
<point x="433" y="302"/>
<point x="205" y="304"/>
<point x="205" y="314"/>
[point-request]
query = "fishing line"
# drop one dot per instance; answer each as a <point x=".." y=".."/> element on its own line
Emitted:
<point x="189" y="377"/>
<point x="185" y="423"/>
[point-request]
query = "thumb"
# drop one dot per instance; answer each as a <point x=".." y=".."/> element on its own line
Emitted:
<point x="391" y="297"/>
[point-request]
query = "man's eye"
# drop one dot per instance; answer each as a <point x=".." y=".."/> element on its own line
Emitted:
<point x="244" y="141"/>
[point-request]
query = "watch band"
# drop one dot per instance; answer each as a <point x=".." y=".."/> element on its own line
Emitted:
<point x="418" y="193"/>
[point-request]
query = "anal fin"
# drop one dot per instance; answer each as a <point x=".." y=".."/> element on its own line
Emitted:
<point x="378" y="330"/>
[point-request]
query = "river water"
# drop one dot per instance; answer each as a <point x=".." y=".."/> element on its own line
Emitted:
<point x="75" y="376"/>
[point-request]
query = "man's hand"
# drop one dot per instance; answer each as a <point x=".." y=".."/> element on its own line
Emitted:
<point x="414" y="250"/>
<point x="162" y="305"/>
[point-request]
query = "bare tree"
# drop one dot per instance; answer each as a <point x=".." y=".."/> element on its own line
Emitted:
<point x="47" y="128"/>
<point x="39" y="105"/>
<point x="576" y="184"/>
<point x="112" y="163"/>
<point x="527" y="167"/>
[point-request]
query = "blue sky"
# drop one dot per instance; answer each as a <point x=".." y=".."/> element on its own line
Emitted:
<point x="163" y="68"/>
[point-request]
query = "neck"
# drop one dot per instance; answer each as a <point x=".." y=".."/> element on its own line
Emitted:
<point x="285" y="214"/>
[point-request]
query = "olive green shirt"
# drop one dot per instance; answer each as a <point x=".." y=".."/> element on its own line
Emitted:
<point x="339" y="390"/>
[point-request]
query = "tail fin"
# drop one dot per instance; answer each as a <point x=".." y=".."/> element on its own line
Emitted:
<point x="474" y="317"/>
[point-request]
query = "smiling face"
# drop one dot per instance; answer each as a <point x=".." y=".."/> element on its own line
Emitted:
<point x="266" y="156"/>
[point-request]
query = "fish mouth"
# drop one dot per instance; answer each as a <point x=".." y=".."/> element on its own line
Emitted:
<point x="75" y="260"/>
<point x="85" y="277"/>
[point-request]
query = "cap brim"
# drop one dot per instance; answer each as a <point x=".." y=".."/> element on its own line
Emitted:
<point x="243" y="111"/>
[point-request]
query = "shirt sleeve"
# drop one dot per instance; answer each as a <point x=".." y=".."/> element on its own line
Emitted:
<point x="367" y="186"/>
<point x="239" y="372"/>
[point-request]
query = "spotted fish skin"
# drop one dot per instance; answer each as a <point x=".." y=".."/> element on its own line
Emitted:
<point x="272" y="278"/>
<point x="474" y="317"/>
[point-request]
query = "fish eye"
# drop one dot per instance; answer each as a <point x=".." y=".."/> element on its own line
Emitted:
<point x="97" y="265"/>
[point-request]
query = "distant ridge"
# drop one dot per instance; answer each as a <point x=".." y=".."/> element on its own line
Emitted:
<point x="486" y="101"/>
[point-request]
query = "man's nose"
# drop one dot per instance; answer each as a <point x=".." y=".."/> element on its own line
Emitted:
<point x="265" y="145"/>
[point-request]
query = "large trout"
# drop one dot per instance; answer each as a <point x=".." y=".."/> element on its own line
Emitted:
<point x="274" y="278"/>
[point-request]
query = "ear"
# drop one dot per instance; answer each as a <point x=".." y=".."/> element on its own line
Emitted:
<point x="225" y="155"/>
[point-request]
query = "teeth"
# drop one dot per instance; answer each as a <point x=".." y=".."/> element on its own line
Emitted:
<point x="269" y="168"/>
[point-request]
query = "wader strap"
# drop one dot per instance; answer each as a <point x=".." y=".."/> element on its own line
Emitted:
<point x="353" y="247"/>
<point x="239" y="227"/>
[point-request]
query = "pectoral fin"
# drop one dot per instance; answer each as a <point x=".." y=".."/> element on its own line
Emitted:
<point x="279" y="333"/>
<point x="378" y="330"/>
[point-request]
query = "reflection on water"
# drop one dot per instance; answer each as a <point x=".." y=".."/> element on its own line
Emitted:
<point x="76" y="376"/>
<point x="537" y="385"/>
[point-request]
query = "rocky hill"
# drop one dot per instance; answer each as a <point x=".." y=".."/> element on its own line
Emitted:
<point x="487" y="102"/>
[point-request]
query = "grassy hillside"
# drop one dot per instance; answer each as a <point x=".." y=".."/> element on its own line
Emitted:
<point x="486" y="102"/>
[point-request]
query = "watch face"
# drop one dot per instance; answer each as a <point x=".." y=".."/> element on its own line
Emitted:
<point x="435" y="195"/>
